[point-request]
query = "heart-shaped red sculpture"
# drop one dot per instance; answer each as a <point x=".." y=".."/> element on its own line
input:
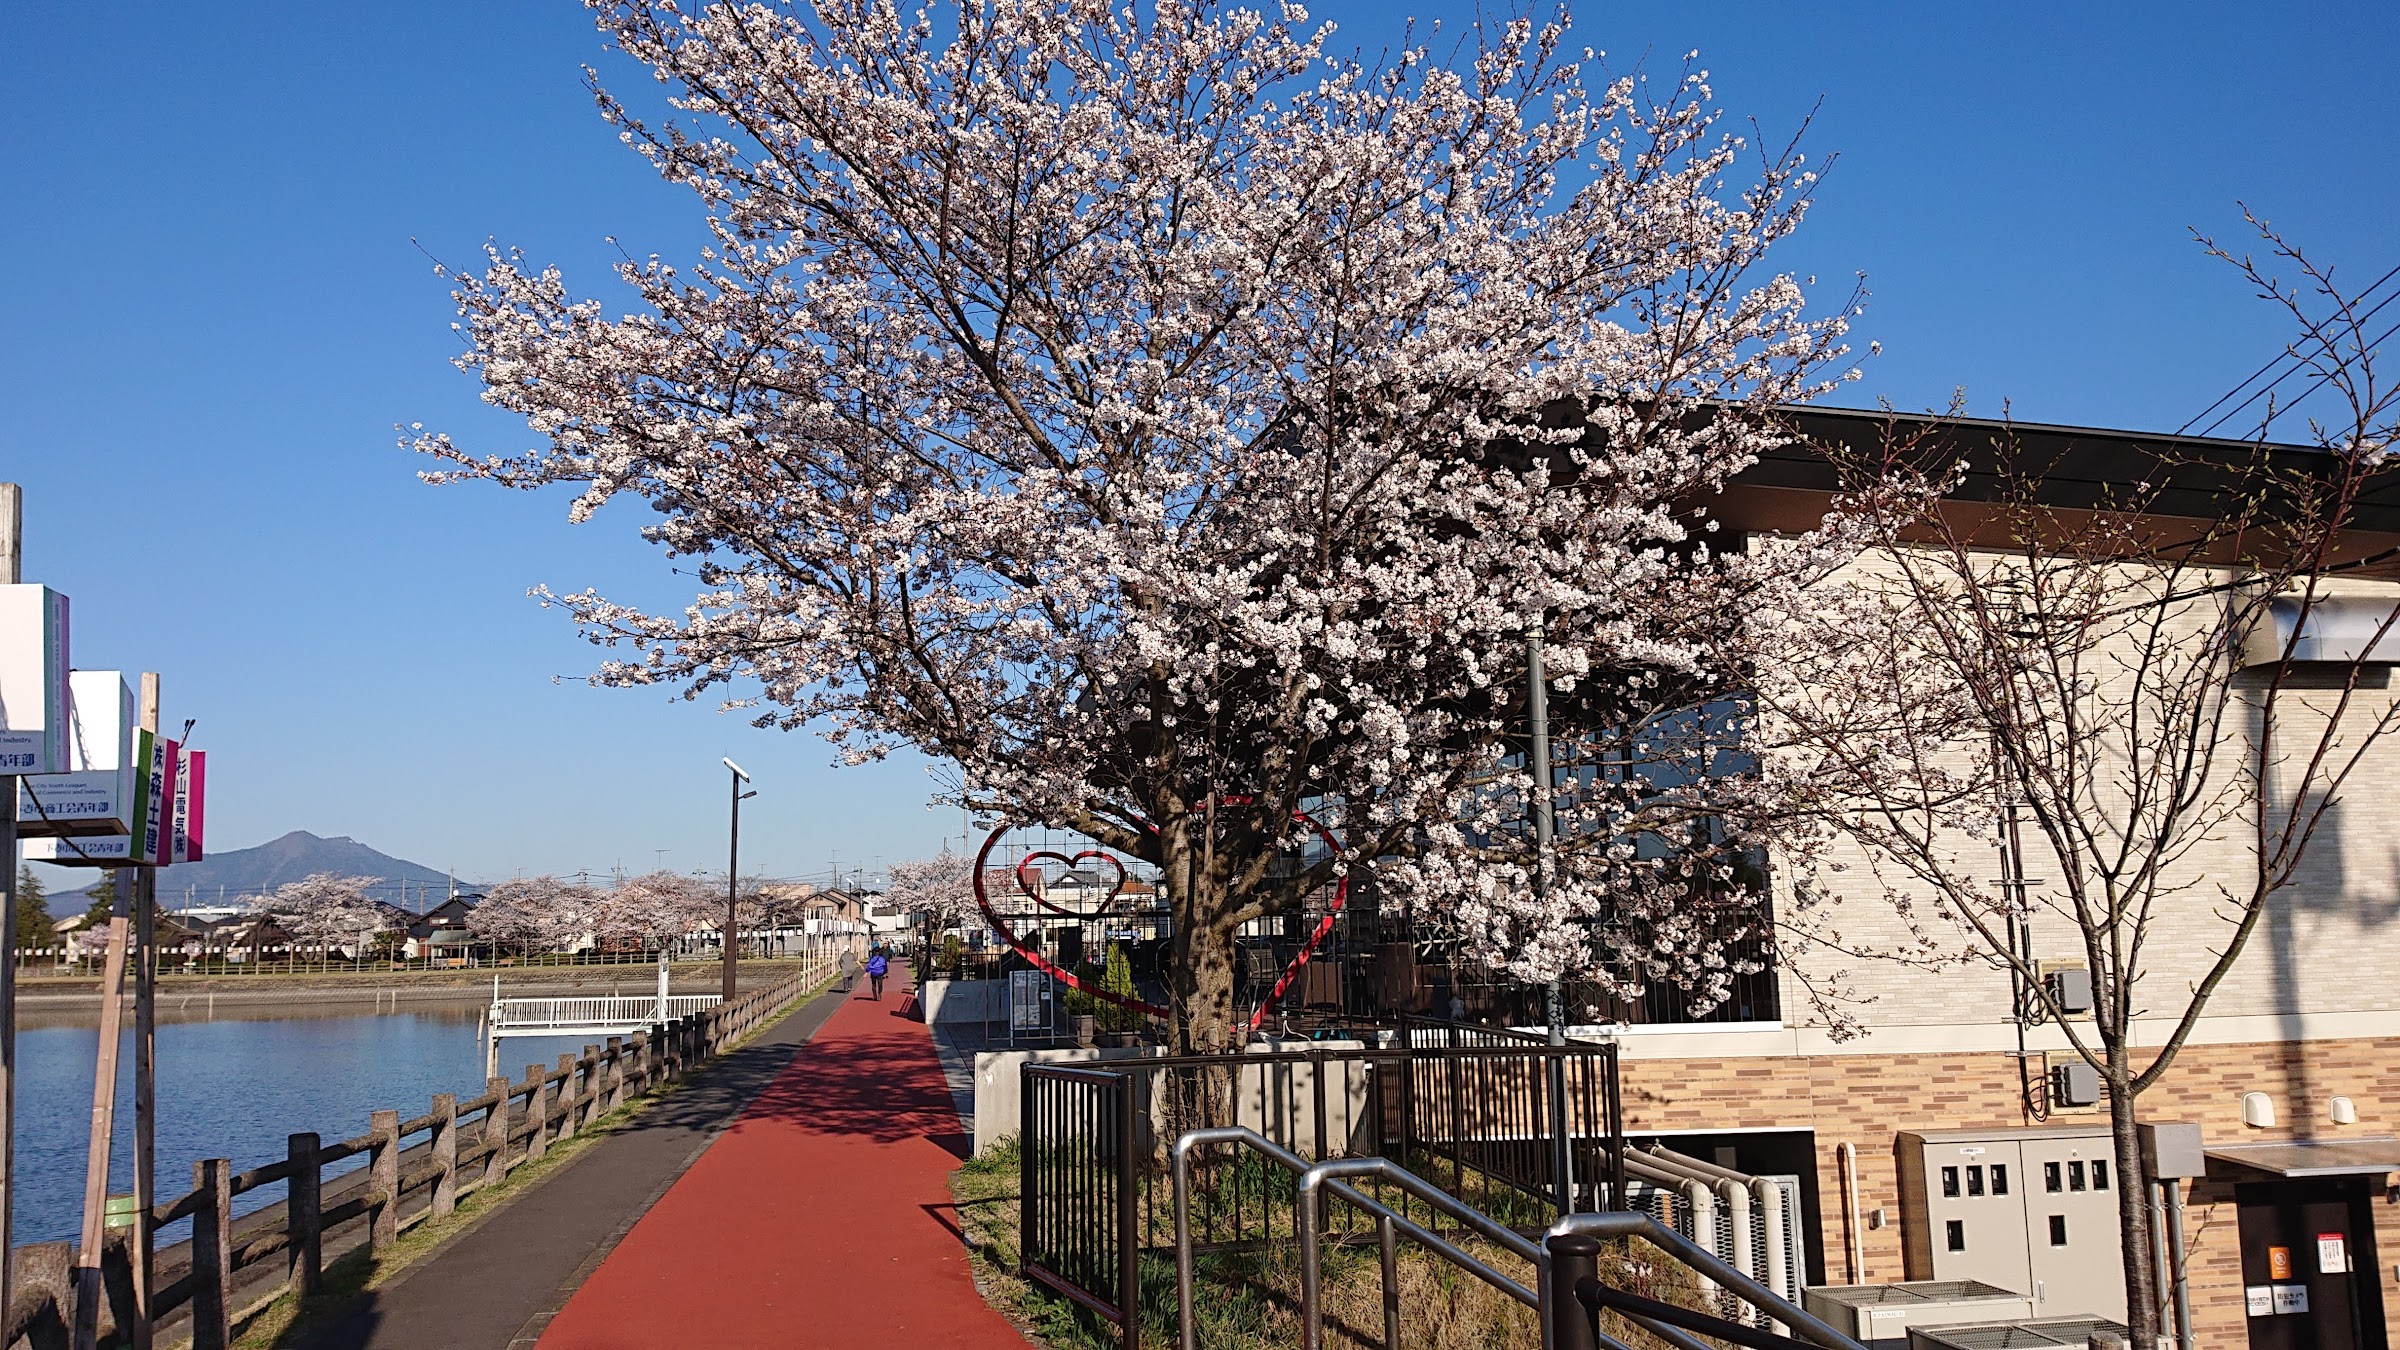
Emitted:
<point x="1071" y="864"/>
<point x="1341" y="895"/>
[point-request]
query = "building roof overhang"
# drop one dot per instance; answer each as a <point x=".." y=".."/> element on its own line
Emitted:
<point x="2313" y="1157"/>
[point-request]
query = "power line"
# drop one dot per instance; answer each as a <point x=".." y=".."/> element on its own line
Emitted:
<point x="2299" y="363"/>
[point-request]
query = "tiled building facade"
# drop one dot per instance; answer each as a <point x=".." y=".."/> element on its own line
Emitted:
<point x="2310" y="1013"/>
<point x="1857" y="1094"/>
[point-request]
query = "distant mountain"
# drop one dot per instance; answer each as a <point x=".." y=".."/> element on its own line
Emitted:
<point x="239" y="875"/>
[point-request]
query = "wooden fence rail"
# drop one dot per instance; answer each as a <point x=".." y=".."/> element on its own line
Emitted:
<point x="417" y="1169"/>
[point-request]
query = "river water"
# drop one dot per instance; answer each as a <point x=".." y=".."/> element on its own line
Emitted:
<point x="235" y="1087"/>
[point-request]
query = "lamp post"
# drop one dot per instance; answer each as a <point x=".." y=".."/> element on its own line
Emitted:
<point x="1537" y="710"/>
<point x="733" y="872"/>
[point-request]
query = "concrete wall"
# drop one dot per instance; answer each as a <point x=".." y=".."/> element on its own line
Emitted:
<point x="999" y="1106"/>
<point x="966" y="1001"/>
<point x="1276" y="1099"/>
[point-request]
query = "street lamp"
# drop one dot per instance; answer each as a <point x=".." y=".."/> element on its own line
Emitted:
<point x="733" y="871"/>
<point x="1537" y="716"/>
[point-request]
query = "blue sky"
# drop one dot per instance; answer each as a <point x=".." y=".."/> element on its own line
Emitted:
<point x="223" y="218"/>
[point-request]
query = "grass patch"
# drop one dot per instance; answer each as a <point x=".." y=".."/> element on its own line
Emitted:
<point x="1248" y="1298"/>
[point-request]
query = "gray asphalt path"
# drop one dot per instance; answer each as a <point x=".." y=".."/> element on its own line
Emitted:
<point x="497" y="1285"/>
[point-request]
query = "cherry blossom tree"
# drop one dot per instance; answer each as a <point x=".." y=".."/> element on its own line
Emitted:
<point x="942" y="886"/>
<point x="538" y="913"/>
<point x="325" y="910"/>
<point x="656" y="908"/>
<point x="1170" y="423"/>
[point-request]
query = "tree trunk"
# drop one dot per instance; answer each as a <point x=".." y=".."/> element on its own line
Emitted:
<point x="2133" y="1207"/>
<point x="1201" y="977"/>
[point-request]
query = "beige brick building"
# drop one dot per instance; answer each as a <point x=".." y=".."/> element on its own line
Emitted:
<point x="2305" y="1034"/>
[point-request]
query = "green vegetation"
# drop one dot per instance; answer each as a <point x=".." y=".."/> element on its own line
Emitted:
<point x="33" y="913"/>
<point x="1080" y="1002"/>
<point x="104" y="900"/>
<point x="1119" y="981"/>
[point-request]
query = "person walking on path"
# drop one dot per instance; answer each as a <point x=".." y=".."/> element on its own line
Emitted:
<point x="878" y="965"/>
<point x="848" y="966"/>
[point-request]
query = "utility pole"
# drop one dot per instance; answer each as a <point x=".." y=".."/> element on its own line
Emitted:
<point x="1537" y="710"/>
<point x="733" y="873"/>
<point x="145" y="1057"/>
<point x="12" y="572"/>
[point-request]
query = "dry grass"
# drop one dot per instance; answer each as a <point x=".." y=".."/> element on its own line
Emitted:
<point x="1251" y="1298"/>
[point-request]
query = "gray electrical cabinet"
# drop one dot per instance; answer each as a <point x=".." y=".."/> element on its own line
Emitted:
<point x="2033" y="1211"/>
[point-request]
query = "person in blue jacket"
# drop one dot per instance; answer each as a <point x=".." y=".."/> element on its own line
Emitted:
<point x="877" y="965"/>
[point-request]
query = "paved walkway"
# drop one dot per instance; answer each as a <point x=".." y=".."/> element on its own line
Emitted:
<point x="821" y="1217"/>
<point x="496" y="1285"/>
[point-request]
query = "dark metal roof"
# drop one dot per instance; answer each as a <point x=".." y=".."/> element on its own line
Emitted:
<point x="2314" y="1157"/>
<point x="2079" y="465"/>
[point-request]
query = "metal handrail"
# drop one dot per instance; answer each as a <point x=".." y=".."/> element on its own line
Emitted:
<point x="1390" y="1225"/>
<point x="1633" y="1223"/>
<point x="1312" y="1310"/>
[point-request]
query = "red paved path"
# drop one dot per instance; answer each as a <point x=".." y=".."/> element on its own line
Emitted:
<point x="821" y="1217"/>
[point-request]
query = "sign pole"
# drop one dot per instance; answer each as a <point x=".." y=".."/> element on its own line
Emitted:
<point x="12" y="568"/>
<point x="145" y="1063"/>
<point x="104" y="1110"/>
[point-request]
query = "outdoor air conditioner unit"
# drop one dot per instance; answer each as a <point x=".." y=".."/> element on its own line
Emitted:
<point x="2037" y="1335"/>
<point x="1880" y="1315"/>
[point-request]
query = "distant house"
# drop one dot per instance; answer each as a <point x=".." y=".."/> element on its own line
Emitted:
<point x="441" y="933"/>
<point x="835" y="911"/>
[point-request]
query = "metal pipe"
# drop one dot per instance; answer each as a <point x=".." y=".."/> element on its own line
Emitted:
<point x="1325" y="1176"/>
<point x="1537" y="716"/>
<point x="1633" y="1223"/>
<point x="1854" y="1251"/>
<point x="2162" y="1276"/>
<point x="1779" y="1237"/>
<point x="1704" y="1225"/>
<point x="1312" y="1181"/>
<point x="1734" y="1200"/>
<point x="2183" y="1285"/>
<point x="1388" y="1242"/>
<point x="1737" y="1191"/>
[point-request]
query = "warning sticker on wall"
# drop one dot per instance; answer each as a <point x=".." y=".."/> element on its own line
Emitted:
<point x="2279" y="1263"/>
<point x="2333" y="1254"/>
<point x="2260" y="1299"/>
<point x="2291" y="1298"/>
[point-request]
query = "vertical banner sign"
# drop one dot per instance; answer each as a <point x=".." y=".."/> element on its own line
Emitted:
<point x="158" y="830"/>
<point x="190" y="781"/>
<point x="33" y="680"/>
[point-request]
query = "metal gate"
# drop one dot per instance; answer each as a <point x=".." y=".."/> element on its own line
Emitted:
<point x="1081" y="1186"/>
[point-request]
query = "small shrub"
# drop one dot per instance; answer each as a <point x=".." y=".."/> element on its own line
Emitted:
<point x="1118" y="980"/>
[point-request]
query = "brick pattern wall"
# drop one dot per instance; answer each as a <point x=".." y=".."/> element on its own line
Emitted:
<point x="1866" y="1099"/>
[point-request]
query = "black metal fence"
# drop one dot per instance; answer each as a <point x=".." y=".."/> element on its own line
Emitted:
<point x="1081" y="1181"/>
<point x="1481" y="1114"/>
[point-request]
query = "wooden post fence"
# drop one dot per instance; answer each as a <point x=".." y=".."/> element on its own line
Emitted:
<point x="460" y="1153"/>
